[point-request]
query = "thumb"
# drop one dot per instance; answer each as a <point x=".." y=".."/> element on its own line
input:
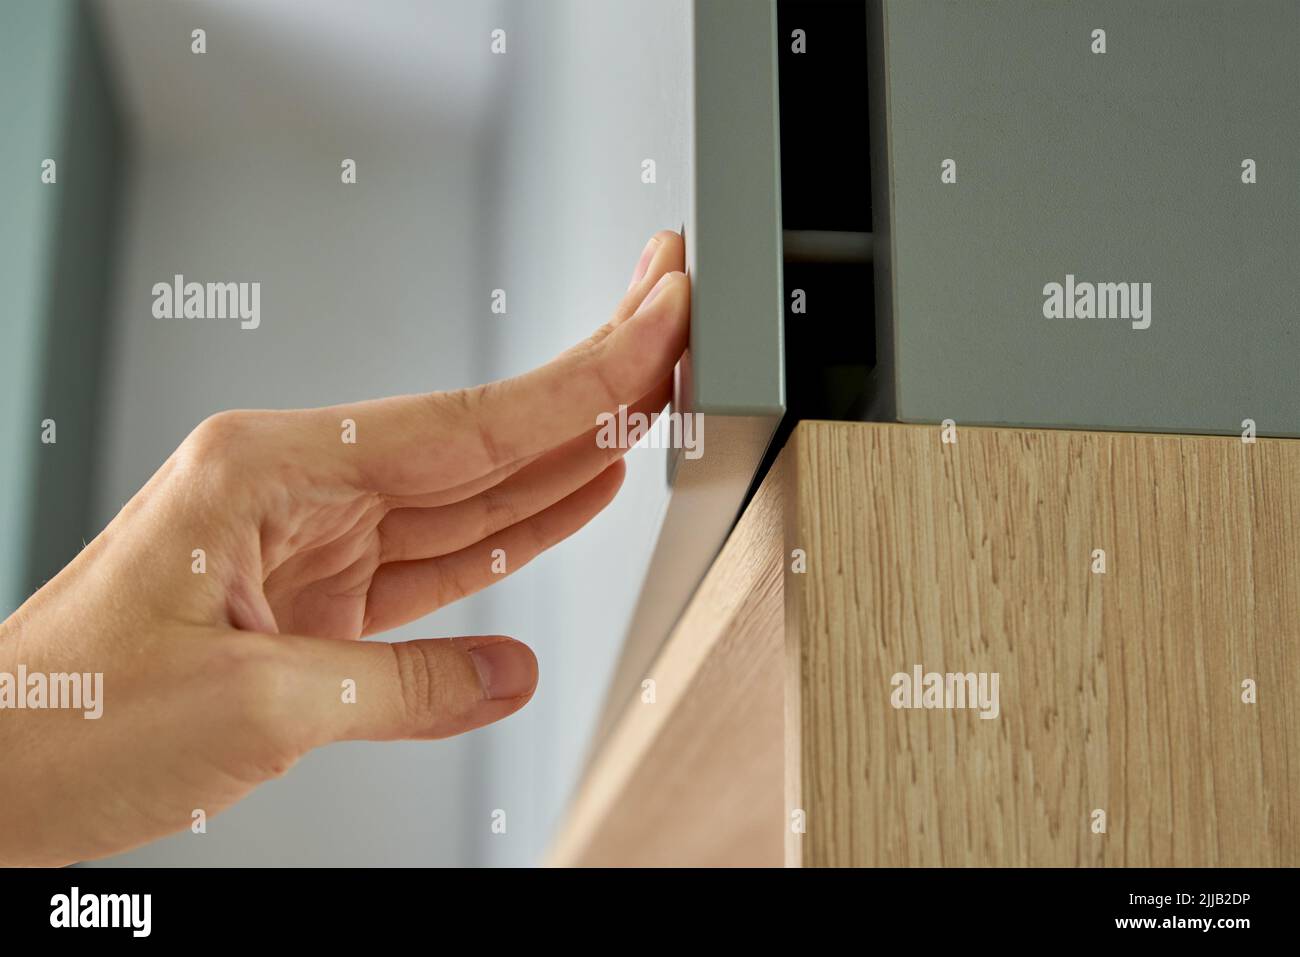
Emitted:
<point x="431" y="688"/>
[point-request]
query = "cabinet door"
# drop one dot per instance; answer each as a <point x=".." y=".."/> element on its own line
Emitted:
<point x="1092" y="212"/>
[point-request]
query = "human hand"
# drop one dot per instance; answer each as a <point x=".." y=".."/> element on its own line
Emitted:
<point x="214" y="682"/>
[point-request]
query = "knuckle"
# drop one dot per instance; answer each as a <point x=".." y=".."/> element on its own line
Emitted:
<point x="391" y="546"/>
<point x="458" y="403"/>
<point x="415" y="681"/>
<point x="541" y="536"/>
<point x="499" y="511"/>
<point x="600" y="335"/>
<point x="219" y="430"/>
<point x="444" y="407"/>
<point x="469" y="406"/>
<point x="599" y="364"/>
<point x="259" y="682"/>
<point x="217" y="445"/>
<point x="606" y="377"/>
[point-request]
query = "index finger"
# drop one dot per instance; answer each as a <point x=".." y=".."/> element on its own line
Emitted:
<point x="615" y="367"/>
<point x="417" y="443"/>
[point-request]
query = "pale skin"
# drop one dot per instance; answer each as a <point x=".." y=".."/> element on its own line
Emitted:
<point x="217" y="682"/>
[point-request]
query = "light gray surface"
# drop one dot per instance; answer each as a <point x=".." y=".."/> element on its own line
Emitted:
<point x="737" y="363"/>
<point x="1122" y="166"/>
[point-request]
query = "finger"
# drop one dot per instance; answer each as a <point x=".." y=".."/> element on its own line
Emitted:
<point x="403" y="591"/>
<point x="463" y="491"/>
<point x="621" y="362"/>
<point x="410" y="445"/>
<point x="406" y="534"/>
<point x="376" y="691"/>
<point x="667" y="254"/>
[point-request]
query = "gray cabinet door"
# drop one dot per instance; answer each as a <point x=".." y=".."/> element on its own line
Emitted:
<point x="1142" y="158"/>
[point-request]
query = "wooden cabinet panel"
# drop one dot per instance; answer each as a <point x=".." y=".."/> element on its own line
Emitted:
<point x="1129" y="592"/>
<point x="1120" y="691"/>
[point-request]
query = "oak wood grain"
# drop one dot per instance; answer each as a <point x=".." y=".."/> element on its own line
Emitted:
<point x="695" y="778"/>
<point x="1119" y="691"/>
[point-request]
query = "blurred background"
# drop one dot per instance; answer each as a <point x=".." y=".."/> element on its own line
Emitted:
<point x="475" y="171"/>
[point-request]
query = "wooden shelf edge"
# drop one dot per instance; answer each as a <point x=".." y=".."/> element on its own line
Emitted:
<point x="695" y="776"/>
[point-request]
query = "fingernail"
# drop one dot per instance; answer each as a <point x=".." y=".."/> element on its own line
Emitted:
<point x="654" y="290"/>
<point x="643" y="263"/>
<point x="506" y="669"/>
